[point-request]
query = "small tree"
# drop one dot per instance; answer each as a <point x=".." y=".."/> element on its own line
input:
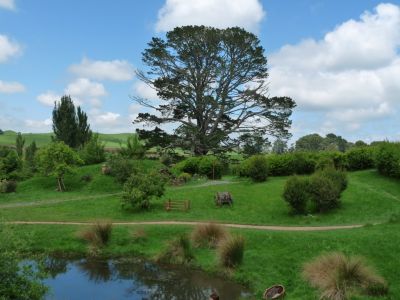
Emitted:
<point x="141" y="188"/>
<point x="30" y="152"/>
<point x="134" y="149"/>
<point x="93" y="152"/>
<point x="19" y="145"/>
<point x="57" y="159"/>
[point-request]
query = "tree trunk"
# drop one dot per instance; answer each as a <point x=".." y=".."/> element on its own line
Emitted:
<point x="59" y="188"/>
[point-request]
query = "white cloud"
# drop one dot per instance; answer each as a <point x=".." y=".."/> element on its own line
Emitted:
<point x="8" y="48"/>
<point x="44" y="125"/>
<point x="351" y="76"/>
<point x="116" y="70"/>
<point x="10" y="87"/>
<point x="107" y="119"/>
<point x="48" y="98"/>
<point x="84" y="90"/>
<point x="217" y="13"/>
<point x="142" y="90"/>
<point x="8" y="4"/>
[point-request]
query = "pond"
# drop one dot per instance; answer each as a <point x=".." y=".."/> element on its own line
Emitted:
<point x="95" y="278"/>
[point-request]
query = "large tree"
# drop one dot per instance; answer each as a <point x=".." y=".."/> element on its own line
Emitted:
<point x="212" y="84"/>
<point x="70" y="125"/>
<point x="310" y="142"/>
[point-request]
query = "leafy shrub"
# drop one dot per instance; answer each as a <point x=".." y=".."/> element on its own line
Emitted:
<point x="255" y="167"/>
<point x="134" y="148"/>
<point x="337" y="276"/>
<point x="8" y="186"/>
<point x="338" y="177"/>
<point x="178" y="251"/>
<point x="281" y="165"/>
<point x="140" y="188"/>
<point x="98" y="235"/>
<point x="184" y="177"/>
<point x="9" y="162"/>
<point x="325" y="163"/>
<point x="324" y="193"/>
<point x="296" y="194"/>
<point x="339" y="159"/>
<point x="121" y="168"/>
<point x="211" y="167"/>
<point x="388" y="159"/>
<point x="304" y="163"/>
<point x="360" y="158"/>
<point x="208" y="235"/>
<point x="93" y="152"/>
<point x="231" y="251"/>
<point x="189" y="165"/>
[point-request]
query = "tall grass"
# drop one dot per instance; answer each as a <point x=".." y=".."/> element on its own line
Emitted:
<point x="231" y="251"/>
<point x="338" y="276"/>
<point x="208" y="235"/>
<point x="178" y="250"/>
<point x="98" y="235"/>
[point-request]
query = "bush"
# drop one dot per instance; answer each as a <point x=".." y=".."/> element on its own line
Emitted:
<point x="337" y="275"/>
<point x="324" y="193"/>
<point x="281" y="165"/>
<point x="121" y="168"/>
<point x="304" y="163"/>
<point x="231" y="251"/>
<point x="189" y="165"/>
<point x="134" y="148"/>
<point x="211" y="167"/>
<point x="8" y="186"/>
<point x="208" y="235"/>
<point x="98" y="235"/>
<point x="93" y="152"/>
<point x="9" y="162"/>
<point x="184" y="177"/>
<point x="296" y="194"/>
<point x="338" y="177"/>
<point x="178" y="251"/>
<point x="388" y="159"/>
<point x="140" y="188"/>
<point x="255" y="167"/>
<point x="339" y="160"/>
<point x="360" y="158"/>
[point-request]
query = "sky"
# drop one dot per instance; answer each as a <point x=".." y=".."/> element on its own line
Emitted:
<point x="339" y="60"/>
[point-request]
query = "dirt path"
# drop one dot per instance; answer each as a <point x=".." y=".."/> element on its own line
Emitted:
<point x="166" y="223"/>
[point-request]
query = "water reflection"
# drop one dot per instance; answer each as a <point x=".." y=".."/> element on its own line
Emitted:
<point x="95" y="278"/>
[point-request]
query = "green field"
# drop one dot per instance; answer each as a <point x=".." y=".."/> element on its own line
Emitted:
<point x="110" y="140"/>
<point x="270" y="257"/>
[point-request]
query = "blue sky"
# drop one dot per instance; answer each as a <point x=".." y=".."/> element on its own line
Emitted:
<point x="337" y="59"/>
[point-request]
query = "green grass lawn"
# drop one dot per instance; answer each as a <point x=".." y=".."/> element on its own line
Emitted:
<point x="369" y="198"/>
<point x="270" y="257"/>
<point x="112" y="140"/>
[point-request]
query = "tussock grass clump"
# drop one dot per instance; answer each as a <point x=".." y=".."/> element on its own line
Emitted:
<point x="339" y="276"/>
<point x="231" y="251"/>
<point x="139" y="235"/>
<point x="178" y="251"/>
<point x="98" y="235"/>
<point x="208" y="235"/>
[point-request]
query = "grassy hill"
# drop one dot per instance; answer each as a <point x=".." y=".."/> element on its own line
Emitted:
<point x="111" y="140"/>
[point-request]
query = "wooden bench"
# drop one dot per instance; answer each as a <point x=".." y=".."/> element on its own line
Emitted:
<point x="183" y="205"/>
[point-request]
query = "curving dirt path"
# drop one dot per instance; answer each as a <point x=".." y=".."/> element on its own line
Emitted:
<point x="166" y="223"/>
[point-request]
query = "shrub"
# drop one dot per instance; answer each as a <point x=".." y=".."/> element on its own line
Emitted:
<point x="139" y="235"/>
<point x="231" y="251"/>
<point x="337" y="276"/>
<point x="134" y="148"/>
<point x="178" y="251"/>
<point x="87" y="178"/>
<point x="93" y="152"/>
<point x="9" y="162"/>
<point x="98" y="235"/>
<point x="255" y="167"/>
<point x="325" y="163"/>
<point x="189" y="165"/>
<point x="184" y="177"/>
<point x="338" y="177"/>
<point x="121" y="168"/>
<point x="281" y="165"/>
<point x="388" y="159"/>
<point x="360" y="158"/>
<point x="211" y="167"/>
<point x="296" y="194"/>
<point x="324" y="193"/>
<point x="339" y="159"/>
<point x="304" y="163"/>
<point x="208" y="235"/>
<point x="140" y="188"/>
<point x="8" y="186"/>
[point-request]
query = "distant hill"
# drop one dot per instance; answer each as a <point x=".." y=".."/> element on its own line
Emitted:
<point x="112" y="140"/>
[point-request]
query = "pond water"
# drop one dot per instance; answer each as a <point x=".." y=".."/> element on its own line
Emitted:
<point x="94" y="278"/>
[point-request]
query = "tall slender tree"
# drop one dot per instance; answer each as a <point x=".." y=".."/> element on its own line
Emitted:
<point x="84" y="133"/>
<point x="19" y="145"/>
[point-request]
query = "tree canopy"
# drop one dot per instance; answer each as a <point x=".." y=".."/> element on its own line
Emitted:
<point x="212" y="85"/>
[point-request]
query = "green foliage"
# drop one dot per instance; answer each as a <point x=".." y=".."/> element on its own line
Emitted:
<point x="30" y="153"/>
<point x="360" y="158"/>
<point x="291" y="163"/>
<point x="8" y="186"/>
<point x="338" y="177"/>
<point x="388" y="159"/>
<point x="296" y="194"/>
<point x="70" y="126"/>
<point x="189" y="165"/>
<point x="311" y="142"/>
<point x="253" y="144"/>
<point x="339" y="277"/>
<point x="140" y="188"/>
<point x="19" y="145"/>
<point x="184" y="177"/>
<point x="57" y="159"/>
<point x="211" y="167"/>
<point x="255" y="167"/>
<point x="9" y="163"/>
<point x="324" y="193"/>
<point x="93" y="152"/>
<point x="121" y="168"/>
<point x="134" y="149"/>
<point x="231" y="251"/>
